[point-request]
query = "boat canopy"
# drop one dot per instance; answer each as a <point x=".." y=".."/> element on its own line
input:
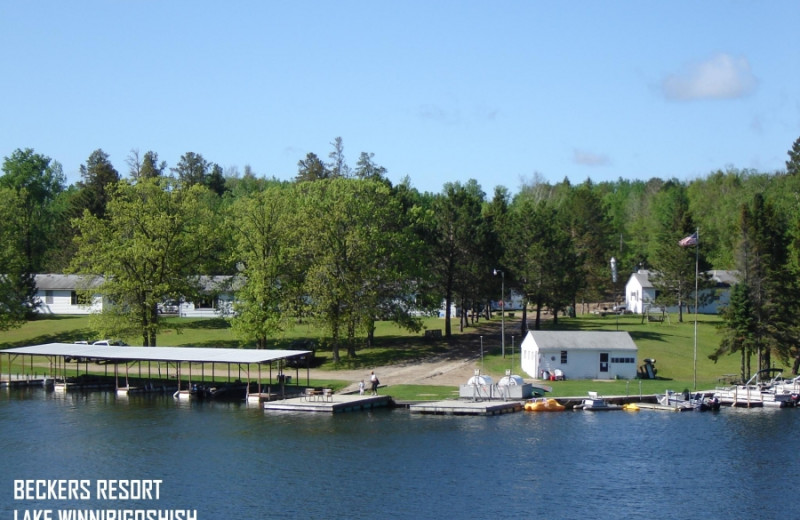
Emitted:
<point x="174" y="354"/>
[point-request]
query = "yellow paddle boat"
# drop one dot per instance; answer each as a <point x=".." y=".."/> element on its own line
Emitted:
<point x="631" y="407"/>
<point x="541" y="404"/>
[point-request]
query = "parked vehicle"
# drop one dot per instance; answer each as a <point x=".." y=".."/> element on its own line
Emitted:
<point x="168" y="307"/>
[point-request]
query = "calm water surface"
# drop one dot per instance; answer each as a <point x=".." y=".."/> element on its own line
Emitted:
<point x="230" y="461"/>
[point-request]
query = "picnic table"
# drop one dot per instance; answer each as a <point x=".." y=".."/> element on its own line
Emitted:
<point x="313" y="394"/>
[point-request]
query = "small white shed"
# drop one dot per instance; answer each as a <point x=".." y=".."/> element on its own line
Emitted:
<point x="579" y="354"/>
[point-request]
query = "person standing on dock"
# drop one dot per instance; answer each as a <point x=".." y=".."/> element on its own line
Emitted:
<point x="361" y="387"/>
<point x="374" y="380"/>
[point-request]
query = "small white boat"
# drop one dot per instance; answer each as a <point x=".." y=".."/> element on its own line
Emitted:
<point x="763" y="389"/>
<point x="685" y="401"/>
<point x="789" y="386"/>
<point x="595" y="403"/>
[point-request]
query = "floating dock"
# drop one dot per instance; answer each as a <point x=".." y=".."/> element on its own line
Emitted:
<point x="14" y="381"/>
<point x="464" y="407"/>
<point x="334" y="404"/>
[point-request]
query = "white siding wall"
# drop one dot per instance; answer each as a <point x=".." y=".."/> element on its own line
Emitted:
<point x="222" y="307"/>
<point x="60" y="302"/>
<point x="580" y="363"/>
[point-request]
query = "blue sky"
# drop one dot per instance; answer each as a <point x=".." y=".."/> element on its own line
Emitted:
<point x="502" y="92"/>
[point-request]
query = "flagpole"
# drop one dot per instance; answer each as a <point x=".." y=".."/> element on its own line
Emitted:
<point x="696" y="274"/>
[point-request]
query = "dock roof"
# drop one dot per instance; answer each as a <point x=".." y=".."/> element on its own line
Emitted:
<point x="175" y="354"/>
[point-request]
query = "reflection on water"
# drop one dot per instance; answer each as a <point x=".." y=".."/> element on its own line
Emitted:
<point x="230" y="460"/>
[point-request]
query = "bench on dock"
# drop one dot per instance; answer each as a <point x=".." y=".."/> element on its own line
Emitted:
<point x="312" y="394"/>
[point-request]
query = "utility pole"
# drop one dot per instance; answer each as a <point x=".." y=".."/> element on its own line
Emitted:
<point x="502" y="310"/>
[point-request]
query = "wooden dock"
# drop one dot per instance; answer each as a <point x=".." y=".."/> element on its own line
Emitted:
<point x="336" y="403"/>
<point x="466" y="407"/>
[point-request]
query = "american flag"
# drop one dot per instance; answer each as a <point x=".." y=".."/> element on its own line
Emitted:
<point x="689" y="241"/>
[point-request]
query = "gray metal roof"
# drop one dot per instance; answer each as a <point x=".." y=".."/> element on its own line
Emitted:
<point x="721" y="277"/>
<point x="176" y="354"/>
<point x="582" y="340"/>
<point x="66" y="281"/>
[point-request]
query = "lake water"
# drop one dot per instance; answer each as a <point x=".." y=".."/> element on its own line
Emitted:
<point x="231" y="461"/>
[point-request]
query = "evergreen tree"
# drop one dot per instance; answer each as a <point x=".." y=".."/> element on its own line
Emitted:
<point x="793" y="164"/>
<point x="738" y="334"/>
<point x="96" y="176"/>
<point x="766" y="268"/>
<point x="311" y="169"/>
<point x="455" y="218"/>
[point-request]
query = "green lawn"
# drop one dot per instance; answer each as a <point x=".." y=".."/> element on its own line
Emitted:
<point x="671" y="343"/>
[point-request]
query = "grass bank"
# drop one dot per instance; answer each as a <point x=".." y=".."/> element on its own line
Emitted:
<point x="671" y="343"/>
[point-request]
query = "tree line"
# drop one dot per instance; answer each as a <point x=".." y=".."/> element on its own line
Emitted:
<point x="346" y="247"/>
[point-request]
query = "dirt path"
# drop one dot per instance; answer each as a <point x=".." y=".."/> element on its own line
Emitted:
<point x="430" y="372"/>
<point x="451" y="369"/>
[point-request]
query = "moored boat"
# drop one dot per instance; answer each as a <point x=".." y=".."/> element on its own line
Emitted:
<point x="542" y="404"/>
<point x="789" y="386"/>
<point x="595" y="403"/>
<point x="685" y="401"/>
<point x="762" y="390"/>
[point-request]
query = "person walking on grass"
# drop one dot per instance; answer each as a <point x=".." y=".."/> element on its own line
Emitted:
<point x="374" y="380"/>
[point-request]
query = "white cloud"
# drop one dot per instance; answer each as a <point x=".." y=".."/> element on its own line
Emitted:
<point x="720" y="77"/>
<point x="590" y="159"/>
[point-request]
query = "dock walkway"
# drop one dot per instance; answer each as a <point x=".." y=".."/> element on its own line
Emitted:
<point x="337" y="403"/>
<point x="466" y="407"/>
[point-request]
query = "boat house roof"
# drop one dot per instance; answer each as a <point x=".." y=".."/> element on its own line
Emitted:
<point x="582" y="340"/>
<point x="175" y="354"/>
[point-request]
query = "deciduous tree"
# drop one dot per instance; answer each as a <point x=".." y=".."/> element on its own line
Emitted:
<point x="17" y="291"/>
<point x="347" y="230"/>
<point x="39" y="180"/>
<point x="154" y="242"/>
<point x="262" y="232"/>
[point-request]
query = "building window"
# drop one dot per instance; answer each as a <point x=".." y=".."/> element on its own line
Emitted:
<point x="563" y="357"/>
<point x="80" y="298"/>
<point x="48" y="297"/>
<point x="206" y="302"/>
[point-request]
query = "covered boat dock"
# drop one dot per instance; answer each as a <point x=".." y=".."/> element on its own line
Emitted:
<point x="178" y="363"/>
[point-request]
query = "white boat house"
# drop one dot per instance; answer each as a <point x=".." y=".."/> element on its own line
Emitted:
<point x="579" y="355"/>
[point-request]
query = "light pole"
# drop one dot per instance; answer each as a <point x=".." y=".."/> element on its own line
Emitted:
<point x="502" y="310"/>
<point x="613" y="263"/>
